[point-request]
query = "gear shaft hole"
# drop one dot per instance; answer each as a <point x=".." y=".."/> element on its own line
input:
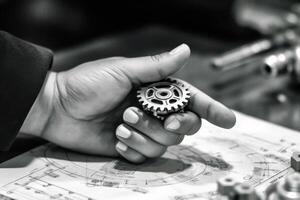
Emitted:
<point x="163" y="94"/>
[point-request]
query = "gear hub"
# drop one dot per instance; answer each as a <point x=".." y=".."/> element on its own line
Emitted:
<point x="164" y="97"/>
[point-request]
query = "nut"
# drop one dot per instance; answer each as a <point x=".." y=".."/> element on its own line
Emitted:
<point x="226" y="185"/>
<point x="244" y="191"/>
<point x="289" y="189"/>
<point x="295" y="161"/>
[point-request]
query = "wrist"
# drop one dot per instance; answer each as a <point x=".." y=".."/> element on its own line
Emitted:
<point x="40" y="112"/>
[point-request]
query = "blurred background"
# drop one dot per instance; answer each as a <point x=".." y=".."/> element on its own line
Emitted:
<point x="244" y="52"/>
<point x="62" y="23"/>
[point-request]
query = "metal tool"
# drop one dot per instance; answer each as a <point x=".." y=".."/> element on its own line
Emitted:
<point x="278" y="21"/>
<point x="286" y="61"/>
<point x="237" y="57"/>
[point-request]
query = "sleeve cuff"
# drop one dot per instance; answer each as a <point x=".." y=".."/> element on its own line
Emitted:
<point x="23" y="68"/>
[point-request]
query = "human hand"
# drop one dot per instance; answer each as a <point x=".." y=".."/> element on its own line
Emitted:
<point x="91" y="108"/>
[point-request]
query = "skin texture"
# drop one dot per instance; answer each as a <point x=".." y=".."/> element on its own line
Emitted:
<point x="92" y="108"/>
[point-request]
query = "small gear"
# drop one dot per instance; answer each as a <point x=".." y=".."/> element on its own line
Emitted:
<point x="164" y="97"/>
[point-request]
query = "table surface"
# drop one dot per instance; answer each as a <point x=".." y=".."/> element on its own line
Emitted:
<point x="246" y="90"/>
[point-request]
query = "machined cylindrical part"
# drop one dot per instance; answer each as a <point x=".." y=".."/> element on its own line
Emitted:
<point x="279" y="63"/>
<point x="283" y="62"/>
<point x="236" y="56"/>
<point x="289" y="189"/>
<point x="244" y="192"/>
<point x="226" y="186"/>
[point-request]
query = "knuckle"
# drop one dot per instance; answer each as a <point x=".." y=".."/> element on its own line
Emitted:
<point x="209" y="112"/>
<point x="179" y="139"/>
<point x="156" y="58"/>
<point x="170" y="139"/>
<point x="176" y="140"/>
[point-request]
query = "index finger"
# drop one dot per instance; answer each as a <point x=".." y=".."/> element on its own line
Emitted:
<point x="210" y="109"/>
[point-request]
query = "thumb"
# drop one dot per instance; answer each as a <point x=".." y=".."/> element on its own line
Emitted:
<point x="154" y="68"/>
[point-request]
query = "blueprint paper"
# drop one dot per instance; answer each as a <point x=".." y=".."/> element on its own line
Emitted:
<point x="253" y="151"/>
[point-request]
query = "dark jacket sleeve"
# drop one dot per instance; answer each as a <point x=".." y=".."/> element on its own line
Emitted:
<point x="23" y="67"/>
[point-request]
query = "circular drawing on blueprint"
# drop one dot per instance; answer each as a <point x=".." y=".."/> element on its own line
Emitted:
<point x="180" y="164"/>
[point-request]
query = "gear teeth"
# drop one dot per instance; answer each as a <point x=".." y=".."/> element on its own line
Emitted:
<point x="175" y="108"/>
<point x="159" y="110"/>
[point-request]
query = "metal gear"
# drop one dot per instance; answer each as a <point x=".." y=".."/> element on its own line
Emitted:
<point x="164" y="97"/>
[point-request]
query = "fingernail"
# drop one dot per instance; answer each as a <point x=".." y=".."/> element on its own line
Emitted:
<point x="131" y="117"/>
<point x="123" y="132"/>
<point x="173" y="125"/>
<point x="179" y="49"/>
<point x="121" y="146"/>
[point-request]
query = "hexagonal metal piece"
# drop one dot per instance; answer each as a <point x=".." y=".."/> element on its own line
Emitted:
<point x="295" y="161"/>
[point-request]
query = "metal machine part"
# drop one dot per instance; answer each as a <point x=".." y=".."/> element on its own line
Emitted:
<point x="286" y="189"/>
<point x="295" y="161"/>
<point x="164" y="97"/>
<point x="283" y="62"/>
<point x="237" y="57"/>
<point x="231" y="189"/>
<point x="226" y="185"/>
<point x="278" y="21"/>
<point x="279" y="63"/>
<point x="289" y="189"/>
<point x="244" y="191"/>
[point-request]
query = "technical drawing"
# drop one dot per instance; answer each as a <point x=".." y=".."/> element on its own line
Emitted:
<point x="187" y="171"/>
